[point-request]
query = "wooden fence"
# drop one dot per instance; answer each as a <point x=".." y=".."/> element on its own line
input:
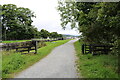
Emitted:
<point x="28" y="48"/>
<point x="25" y="46"/>
<point x="96" y="49"/>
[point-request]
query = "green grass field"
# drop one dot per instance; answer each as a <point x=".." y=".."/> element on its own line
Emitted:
<point x="13" y="62"/>
<point x="100" y="66"/>
<point x="13" y="41"/>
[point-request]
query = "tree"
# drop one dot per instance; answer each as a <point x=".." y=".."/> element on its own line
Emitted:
<point x="54" y="35"/>
<point x="60" y="36"/>
<point x="44" y="33"/>
<point x="15" y="21"/>
<point x="0" y="23"/>
<point x="98" y="22"/>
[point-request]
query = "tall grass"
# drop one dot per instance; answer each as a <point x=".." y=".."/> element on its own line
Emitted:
<point x="102" y="66"/>
<point x="15" y="62"/>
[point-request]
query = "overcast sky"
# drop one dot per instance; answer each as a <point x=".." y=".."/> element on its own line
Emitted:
<point x="47" y="16"/>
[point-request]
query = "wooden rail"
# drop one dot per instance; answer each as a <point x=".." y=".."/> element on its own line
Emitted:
<point x="96" y="49"/>
<point x="28" y="48"/>
<point x="25" y="46"/>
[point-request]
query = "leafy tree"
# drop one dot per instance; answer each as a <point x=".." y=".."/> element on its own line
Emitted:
<point x="54" y="35"/>
<point x="0" y="23"/>
<point x="60" y="36"/>
<point x="98" y="22"/>
<point x="44" y="33"/>
<point x="16" y="21"/>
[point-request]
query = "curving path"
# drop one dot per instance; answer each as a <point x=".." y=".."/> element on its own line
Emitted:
<point x="60" y="63"/>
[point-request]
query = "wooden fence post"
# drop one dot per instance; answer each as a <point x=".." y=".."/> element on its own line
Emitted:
<point x="36" y="47"/>
<point x="90" y="48"/>
<point x="83" y="48"/>
<point x="29" y="49"/>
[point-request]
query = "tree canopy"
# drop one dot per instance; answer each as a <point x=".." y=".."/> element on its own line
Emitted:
<point x="98" y="22"/>
<point x="17" y="24"/>
<point x="46" y="34"/>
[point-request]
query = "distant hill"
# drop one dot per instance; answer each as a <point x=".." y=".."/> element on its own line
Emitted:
<point x="67" y="35"/>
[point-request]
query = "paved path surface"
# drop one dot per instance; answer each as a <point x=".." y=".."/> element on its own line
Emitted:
<point x="60" y="63"/>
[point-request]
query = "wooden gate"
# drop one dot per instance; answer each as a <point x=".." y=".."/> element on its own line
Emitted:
<point x="96" y="49"/>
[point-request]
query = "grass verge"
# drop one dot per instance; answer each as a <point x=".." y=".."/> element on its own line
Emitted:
<point x="101" y="66"/>
<point x="13" y="62"/>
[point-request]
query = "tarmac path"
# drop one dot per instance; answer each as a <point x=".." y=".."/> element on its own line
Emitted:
<point x="60" y="63"/>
